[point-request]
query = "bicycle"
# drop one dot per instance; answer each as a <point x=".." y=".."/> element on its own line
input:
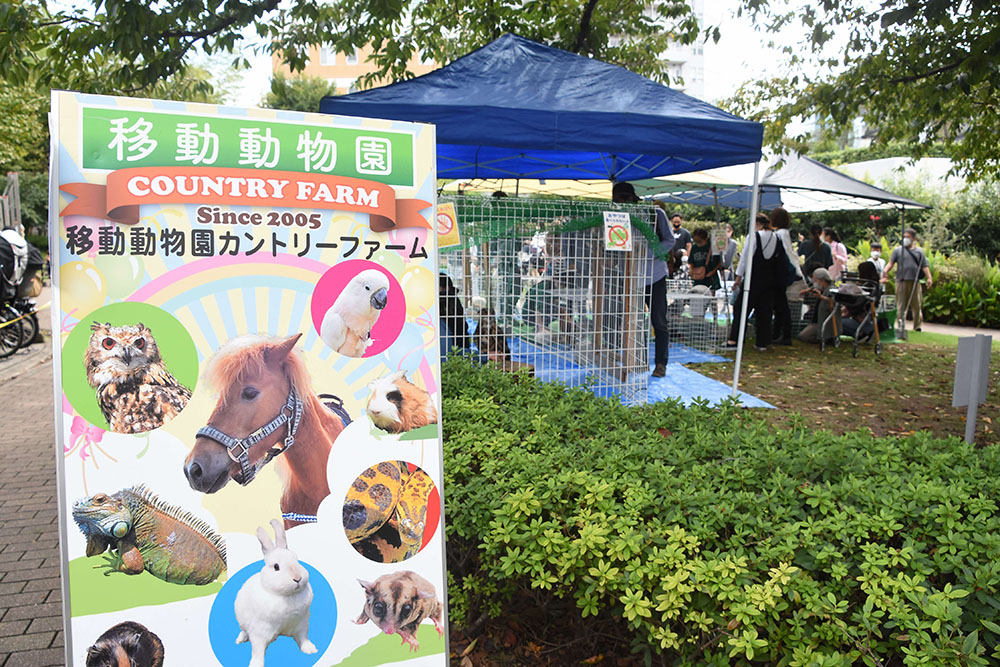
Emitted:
<point x="11" y="330"/>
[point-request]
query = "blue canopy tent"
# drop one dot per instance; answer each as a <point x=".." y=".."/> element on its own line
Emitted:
<point x="519" y="109"/>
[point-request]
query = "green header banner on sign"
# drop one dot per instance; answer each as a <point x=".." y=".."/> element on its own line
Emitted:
<point x="117" y="138"/>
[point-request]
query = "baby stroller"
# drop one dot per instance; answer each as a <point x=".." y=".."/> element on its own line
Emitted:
<point x="859" y="295"/>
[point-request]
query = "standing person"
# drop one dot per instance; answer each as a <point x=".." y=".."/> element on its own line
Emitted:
<point x="876" y="257"/>
<point x="682" y="238"/>
<point x="839" y="251"/>
<point x="816" y="252"/>
<point x="768" y="270"/>
<point x="704" y="265"/>
<point x="656" y="280"/>
<point x="793" y="281"/>
<point x="912" y="262"/>
<point x="729" y="253"/>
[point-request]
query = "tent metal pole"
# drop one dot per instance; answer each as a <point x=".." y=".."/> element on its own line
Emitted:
<point x="901" y="311"/>
<point x="747" y="257"/>
<point x="715" y="195"/>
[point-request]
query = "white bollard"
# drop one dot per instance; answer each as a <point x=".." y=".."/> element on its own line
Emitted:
<point x="972" y="369"/>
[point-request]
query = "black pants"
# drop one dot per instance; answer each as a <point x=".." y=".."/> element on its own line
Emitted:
<point x="782" y="316"/>
<point x="762" y="300"/>
<point x="656" y="299"/>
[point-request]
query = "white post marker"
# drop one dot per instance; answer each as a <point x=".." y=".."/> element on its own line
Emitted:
<point x="972" y="365"/>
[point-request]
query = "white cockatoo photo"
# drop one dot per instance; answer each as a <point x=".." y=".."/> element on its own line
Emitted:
<point x="348" y="324"/>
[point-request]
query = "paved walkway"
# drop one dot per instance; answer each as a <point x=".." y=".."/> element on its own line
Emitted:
<point x="931" y="327"/>
<point x="30" y="598"/>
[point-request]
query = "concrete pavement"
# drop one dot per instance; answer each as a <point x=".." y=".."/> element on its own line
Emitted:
<point x="30" y="595"/>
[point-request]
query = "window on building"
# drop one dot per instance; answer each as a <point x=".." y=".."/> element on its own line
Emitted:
<point x="352" y="58"/>
<point x="327" y="56"/>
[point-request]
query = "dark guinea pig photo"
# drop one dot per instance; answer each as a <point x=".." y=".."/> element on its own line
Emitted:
<point x="127" y="644"/>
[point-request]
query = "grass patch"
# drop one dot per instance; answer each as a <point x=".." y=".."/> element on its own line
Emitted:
<point x="383" y="648"/>
<point x="904" y="390"/>
<point x="94" y="589"/>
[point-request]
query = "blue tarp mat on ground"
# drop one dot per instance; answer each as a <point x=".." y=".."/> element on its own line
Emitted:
<point x="688" y="386"/>
<point x="519" y="109"/>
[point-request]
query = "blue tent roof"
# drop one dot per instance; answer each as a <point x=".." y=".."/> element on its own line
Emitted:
<point x="520" y="109"/>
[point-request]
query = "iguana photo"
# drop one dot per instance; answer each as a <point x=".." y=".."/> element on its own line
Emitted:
<point x="149" y="534"/>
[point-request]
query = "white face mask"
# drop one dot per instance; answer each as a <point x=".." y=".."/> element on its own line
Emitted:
<point x="907" y="241"/>
<point x="876" y="253"/>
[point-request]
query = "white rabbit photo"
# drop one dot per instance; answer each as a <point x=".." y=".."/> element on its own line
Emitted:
<point x="276" y="600"/>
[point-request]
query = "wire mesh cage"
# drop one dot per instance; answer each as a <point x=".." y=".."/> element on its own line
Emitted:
<point x="533" y="281"/>
<point x="698" y="317"/>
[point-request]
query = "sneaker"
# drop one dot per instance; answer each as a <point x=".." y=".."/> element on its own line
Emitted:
<point x="760" y="349"/>
<point x="731" y="345"/>
<point x="659" y="371"/>
<point x="916" y="328"/>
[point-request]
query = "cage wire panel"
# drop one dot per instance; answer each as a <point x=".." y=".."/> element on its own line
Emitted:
<point x="540" y="287"/>
<point x="698" y="318"/>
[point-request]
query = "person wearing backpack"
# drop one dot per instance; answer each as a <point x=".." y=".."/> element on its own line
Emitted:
<point x="768" y="279"/>
<point x="912" y="262"/>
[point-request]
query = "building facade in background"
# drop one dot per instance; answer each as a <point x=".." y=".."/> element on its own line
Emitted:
<point x="686" y="62"/>
<point x="343" y="69"/>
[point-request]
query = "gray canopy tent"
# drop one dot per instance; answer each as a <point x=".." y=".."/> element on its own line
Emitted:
<point x="796" y="182"/>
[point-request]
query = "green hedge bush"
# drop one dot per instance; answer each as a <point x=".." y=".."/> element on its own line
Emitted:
<point x="966" y="291"/>
<point x="706" y="536"/>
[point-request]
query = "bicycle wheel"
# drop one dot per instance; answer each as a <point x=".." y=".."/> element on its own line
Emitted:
<point x="29" y="329"/>
<point x="11" y="333"/>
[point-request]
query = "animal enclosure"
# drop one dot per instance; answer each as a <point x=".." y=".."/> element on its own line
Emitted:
<point x="533" y="281"/>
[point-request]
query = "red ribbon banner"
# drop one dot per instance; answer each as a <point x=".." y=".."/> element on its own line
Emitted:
<point x="128" y="189"/>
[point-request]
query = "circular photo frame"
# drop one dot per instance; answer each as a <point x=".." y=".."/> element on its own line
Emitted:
<point x="131" y="361"/>
<point x="358" y="308"/>
<point x="391" y="511"/>
<point x="223" y="628"/>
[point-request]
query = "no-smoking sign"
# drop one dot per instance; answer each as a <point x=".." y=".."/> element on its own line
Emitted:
<point x="617" y="231"/>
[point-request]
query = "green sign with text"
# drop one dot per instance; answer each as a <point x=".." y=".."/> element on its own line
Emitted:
<point x="116" y="138"/>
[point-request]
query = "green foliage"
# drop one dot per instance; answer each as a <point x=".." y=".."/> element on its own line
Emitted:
<point x="34" y="188"/>
<point x="919" y="72"/>
<point x="848" y="155"/>
<point x="104" y="45"/>
<point x="710" y="537"/>
<point x="23" y="128"/>
<point x="301" y="93"/>
<point x="966" y="291"/>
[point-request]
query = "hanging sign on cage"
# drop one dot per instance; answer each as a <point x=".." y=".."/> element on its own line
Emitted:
<point x="719" y="239"/>
<point x="246" y="349"/>
<point x="617" y="231"/>
<point x="447" y="225"/>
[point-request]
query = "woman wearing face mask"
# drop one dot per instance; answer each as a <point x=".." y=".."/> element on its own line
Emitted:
<point x="912" y="262"/>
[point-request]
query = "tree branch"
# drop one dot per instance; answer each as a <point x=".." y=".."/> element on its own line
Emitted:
<point x="917" y="77"/>
<point x="584" y="31"/>
<point x="266" y="6"/>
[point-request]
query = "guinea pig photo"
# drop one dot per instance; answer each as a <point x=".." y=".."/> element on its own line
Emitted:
<point x="129" y="644"/>
<point x="396" y="405"/>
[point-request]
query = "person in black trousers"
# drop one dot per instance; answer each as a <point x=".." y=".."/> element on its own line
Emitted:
<point x="768" y="272"/>
<point x="656" y="287"/>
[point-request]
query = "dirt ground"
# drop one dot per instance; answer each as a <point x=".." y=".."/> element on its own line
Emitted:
<point x="906" y="388"/>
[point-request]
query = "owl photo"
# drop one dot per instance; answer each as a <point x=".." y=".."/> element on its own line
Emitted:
<point x="135" y="390"/>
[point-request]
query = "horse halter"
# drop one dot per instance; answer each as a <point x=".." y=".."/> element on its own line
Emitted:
<point x="239" y="448"/>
